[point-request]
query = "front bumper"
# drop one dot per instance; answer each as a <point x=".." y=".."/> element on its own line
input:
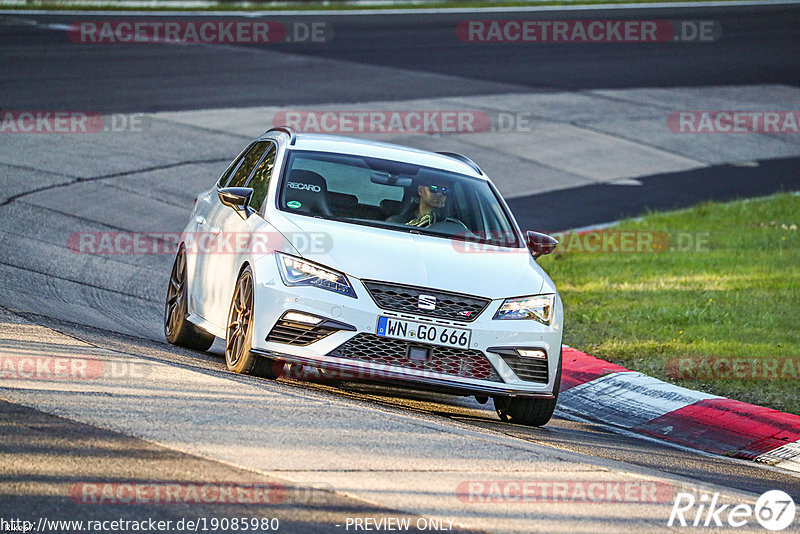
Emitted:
<point x="273" y="299"/>
<point x="349" y="370"/>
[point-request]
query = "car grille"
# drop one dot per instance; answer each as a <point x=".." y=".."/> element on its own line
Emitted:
<point x="401" y="298"/>
<point x="445" y="360"/>
<point x="300" y="334"/>
<point x="528" y="369"/>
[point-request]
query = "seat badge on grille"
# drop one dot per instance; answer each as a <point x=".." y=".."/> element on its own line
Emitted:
<point x="426" y="302"/>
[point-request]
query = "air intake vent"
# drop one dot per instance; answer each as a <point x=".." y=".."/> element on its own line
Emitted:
<point x="528" y="369"/>
<point x="444" y="360"/>
<point x="299" y="334"/>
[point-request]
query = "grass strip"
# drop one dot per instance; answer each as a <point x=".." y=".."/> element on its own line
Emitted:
<point x="713" y="304"/>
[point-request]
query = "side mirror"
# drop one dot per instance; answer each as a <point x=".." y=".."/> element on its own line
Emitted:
<point x="237" y="198"/>
<point x="540" y="244"/>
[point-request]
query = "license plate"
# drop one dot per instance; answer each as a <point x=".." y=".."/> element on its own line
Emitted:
<point x="423" y="332"/>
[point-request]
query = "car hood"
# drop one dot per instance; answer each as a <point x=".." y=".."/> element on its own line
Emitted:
<point x="366" y="252"/>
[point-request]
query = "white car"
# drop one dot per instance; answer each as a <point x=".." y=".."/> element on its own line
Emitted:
<point x="369" y="261"/>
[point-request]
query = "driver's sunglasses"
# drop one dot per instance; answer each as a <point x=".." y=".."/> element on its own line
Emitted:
<point x="439" y="189"/>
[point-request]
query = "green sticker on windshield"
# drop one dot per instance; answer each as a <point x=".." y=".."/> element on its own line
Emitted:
<point x="293" y="204"/>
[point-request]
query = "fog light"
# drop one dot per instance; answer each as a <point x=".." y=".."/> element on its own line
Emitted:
<point x="532" y="353"/>
<point x="302" y="318"/>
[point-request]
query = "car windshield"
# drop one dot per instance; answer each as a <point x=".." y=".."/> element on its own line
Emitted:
<point x="394" y="195"/>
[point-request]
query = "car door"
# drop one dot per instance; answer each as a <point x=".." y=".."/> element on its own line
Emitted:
<point x="200" y="240"/>
<point x="234" y="232"/>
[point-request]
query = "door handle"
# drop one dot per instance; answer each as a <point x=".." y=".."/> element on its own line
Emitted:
<point x="200" y="220"/>
<point x="215" y="230"/>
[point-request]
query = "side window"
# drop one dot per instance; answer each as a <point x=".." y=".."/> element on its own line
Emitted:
<point x="260" y="179"/>
<point x="233" y="166"/>
<point x="249" y="161"/>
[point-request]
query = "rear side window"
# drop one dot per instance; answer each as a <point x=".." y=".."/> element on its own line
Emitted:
<point x="248" y="162"/>
<point x="223" y="180"/>
<point x="260" y="179"/>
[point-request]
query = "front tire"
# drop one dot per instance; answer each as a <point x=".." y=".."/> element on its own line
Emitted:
<point x="177" y="328"/>
<point x="239" y="332"/>
<point x="527" y="411"/>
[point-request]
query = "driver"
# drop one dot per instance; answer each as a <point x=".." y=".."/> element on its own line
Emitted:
<point x="432" y="198"/>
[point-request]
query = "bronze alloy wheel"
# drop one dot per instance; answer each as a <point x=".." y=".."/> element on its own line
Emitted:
<point x="177" y="329"/>
<point x="239" y="321"/>
<point x="239" y="333"/>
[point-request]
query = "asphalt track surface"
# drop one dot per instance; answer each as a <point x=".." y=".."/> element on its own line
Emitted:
<point x="391" y="56"/>
<point x="382" y="57"/>
<point x="605" y="203"/>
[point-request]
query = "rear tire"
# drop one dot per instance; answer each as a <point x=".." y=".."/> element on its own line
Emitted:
<point x="239" y="333"/>
<point x="529" y="411"/>
<point x="177" y="328"/>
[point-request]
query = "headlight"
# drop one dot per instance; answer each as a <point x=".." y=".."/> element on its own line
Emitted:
<point x="539" y="307"/>
<point x="297" y="272"/>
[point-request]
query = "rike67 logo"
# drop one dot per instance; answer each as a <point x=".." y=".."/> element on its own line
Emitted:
<point x="774" y="510"/>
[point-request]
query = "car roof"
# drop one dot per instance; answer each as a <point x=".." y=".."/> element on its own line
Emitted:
<point x="376" y="149"/>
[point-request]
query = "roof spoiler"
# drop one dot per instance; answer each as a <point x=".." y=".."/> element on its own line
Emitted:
<point x="288" y="130"/>
<point x="463" y="159"/>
